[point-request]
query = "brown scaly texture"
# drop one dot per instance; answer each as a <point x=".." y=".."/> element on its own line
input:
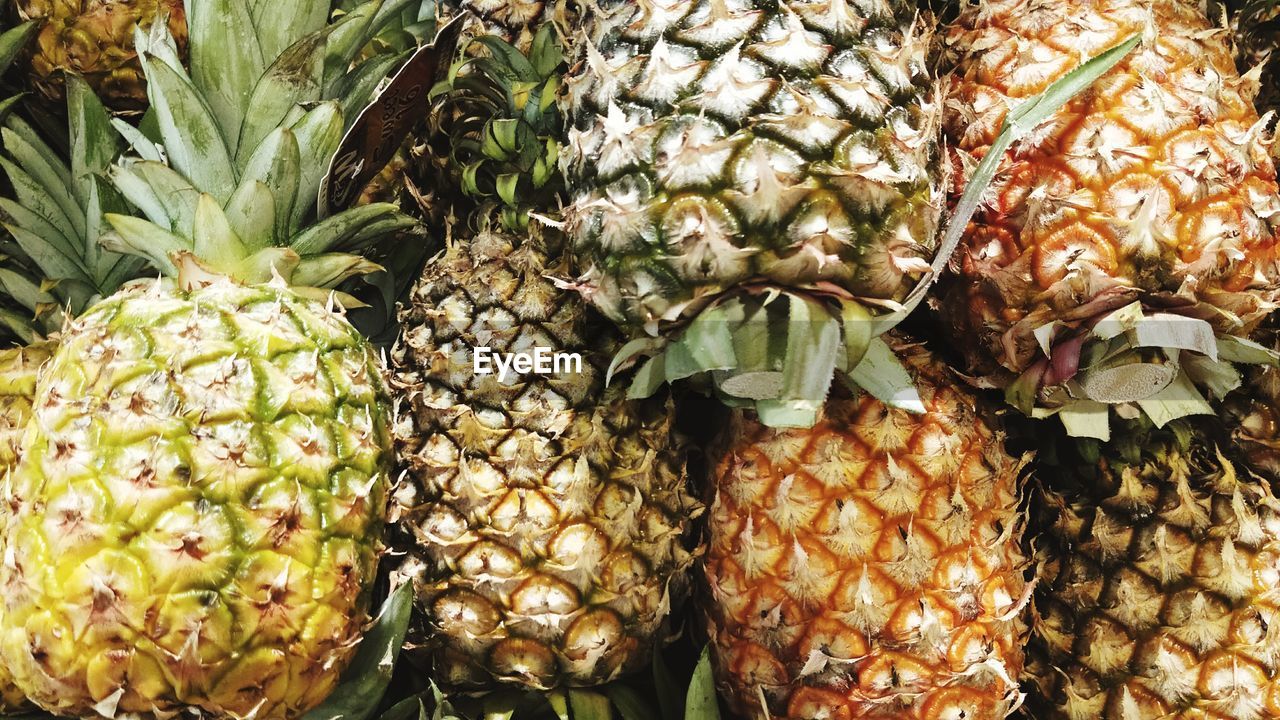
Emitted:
<point x="196" y="516"/>
<point x="515" y="21"/>
<point x="1256" y="28"/>
<point x="1158" y="584"/>
<point x="94" y="39"/>
<point x="1252" y="413"/>
<point x="1154" y="184"/>
<point x="19" y="368"/>
<point x="542" y="516"/>
<point x="869" y="567"/>
<point x="725" y="142"/>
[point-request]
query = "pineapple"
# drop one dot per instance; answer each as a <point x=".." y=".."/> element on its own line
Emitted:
<point x="515" y="21"/>
<point x="725" y="149"/>
<point x="1252" y="413"/>
<point x="1157" y="581"/>
<point x="1256" y="25"/>
<point x="542" y="517"/>
<point x="869" y="567"/>
<point x="415" y="174"/>
<point x="53" y="266"/>
<point x="94" y="39"/>
<point x="19" y="368"/>
<point x="1149" y="201"/>
<point x="210" y="451"/>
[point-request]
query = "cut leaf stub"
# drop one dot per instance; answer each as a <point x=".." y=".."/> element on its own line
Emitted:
<point x="1132" y="361"/>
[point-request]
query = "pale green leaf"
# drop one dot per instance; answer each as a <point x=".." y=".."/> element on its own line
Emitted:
<point x="252" y="215"/>
<point x="631" y="350"/>
<point x="264" y="265"/>
<point x="1165" y="330"/>
<point x="813" y="347"/>
<point x="882" y="376"/>
<point x="24" y="290"/>
<point x="159" y="192"/>
<point x="589" y="705"/>
<point x="43" y="233"/>
<point x="94" y="145"/>
<point x="293" y="79"/>
<point x="700" y="703"/>
<point x="1245" y="351"/>
<point x="651" y="376"/>
<point x="226" y="61"/>
<point x="1087" y="418"/>
<point x="319" y="133"/>
<point x="1118" y="322"/>
<point x="275" y="166"/>
<point x="48" y="177"/>
<point x="1216" y="376"/>
<point x="358" y="88"/>
<point x="281" y="23"/>
<point x="146" y="239"/>
<point x="156" y="42"/>
<point x="216" y="242"/>
<point x="331" y="269"/>
<point x="333" y="232"/>
<point x="14" y="40"/>
<point x="139" y="142"/>
<point x="378" y="231"/>
<point x="856" y="324"/>
<point x="786" y="413"/>
<point x="193" y="140"/>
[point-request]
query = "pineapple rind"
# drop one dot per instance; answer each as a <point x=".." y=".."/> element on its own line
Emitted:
<point x="1157" y="585"/>
<point x="727" y="142"/>
<point x="1155" y="185"/>
<point x="869" y="567"/>
<point x="19" y="368"/>
<point x="94" y="39"/>
<point x="543" y="517"/>
<point x="197" y="517"/>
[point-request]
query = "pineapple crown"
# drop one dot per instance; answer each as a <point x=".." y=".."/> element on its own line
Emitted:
<point x="51" y="263"/>
<point x="245" y="137"/>
<point x="54" y="265"/>
<point x="498" y="114"/>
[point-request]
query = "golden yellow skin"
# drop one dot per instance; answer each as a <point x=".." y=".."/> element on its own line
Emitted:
<point x="94" y="39"/>
<point x="1153" y="185"/>
<point x="868" y="567"/>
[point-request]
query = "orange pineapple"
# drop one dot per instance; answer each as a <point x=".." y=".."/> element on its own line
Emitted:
<point x="869" y="567"/>
<point x="1152" y="190"/>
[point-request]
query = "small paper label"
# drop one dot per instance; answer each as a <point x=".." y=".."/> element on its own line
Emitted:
<point x="381" y="128"/>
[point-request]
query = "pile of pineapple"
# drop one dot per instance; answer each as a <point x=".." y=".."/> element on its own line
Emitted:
<point x="926" y="361"/>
